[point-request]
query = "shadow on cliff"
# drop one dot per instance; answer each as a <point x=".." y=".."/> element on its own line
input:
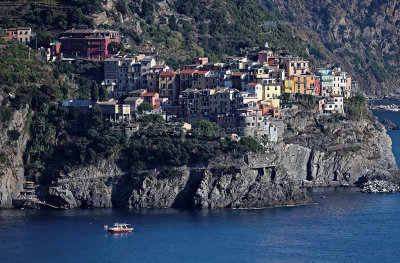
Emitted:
<point x="122" y="190"/>
<point x="185" y="198"/>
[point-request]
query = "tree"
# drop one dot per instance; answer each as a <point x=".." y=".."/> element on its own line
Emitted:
<point x="115" y="47"/>
<point x="153" y="118"/>
<point x="13" y="135"/>
<point x="103" y="93"/>
<point x="94" y="94"/>
<point x="207" y="128"/>
<point x="264" y="139"/>
<point x="249" y="144"/>
<point x="145" y="106"/>
<point x="95" y="118"/>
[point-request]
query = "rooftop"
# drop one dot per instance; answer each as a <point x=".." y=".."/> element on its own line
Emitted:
<point x="131" y="99"/>
<point x="19" y="28"/>
<point x="239" y="74"/>
<point x="188" y="71"/>
<point x="201" y="72"/>
<point x="89" y="31"/>
<point x="167" y="73"/>
<point x="149" y="94"/>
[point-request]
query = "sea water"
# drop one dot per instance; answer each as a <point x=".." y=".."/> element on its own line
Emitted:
<point x="343" y="225"/>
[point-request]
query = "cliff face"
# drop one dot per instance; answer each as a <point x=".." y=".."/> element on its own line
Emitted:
<point x="11" y="163"/>
<point x="212" y="186"/>
<point x="322" y="151"/>
<point x="318" y="152"/>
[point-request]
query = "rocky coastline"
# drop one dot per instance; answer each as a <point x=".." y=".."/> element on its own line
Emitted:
<point x="379" y="186"/>
<point x="318" y="152"/>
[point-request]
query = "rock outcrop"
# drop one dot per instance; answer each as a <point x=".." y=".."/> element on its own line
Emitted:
<point x="322" y="151"/>
<point x="378" y="186"/>
<point x="11" y="157"/>
<point x="213" y="186"/>
<point x="319" y="152"/>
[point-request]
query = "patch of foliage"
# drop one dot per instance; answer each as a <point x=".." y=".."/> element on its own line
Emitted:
<point x="309" y="102"/>
<point x="13" y="135"/>
<point x="145" y="106"/>
<point x="64" y="137"/>
<point x="356" y="106"/>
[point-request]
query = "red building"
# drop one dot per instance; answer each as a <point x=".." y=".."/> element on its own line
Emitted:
<point x="151" y="97"/>
<point x="88" y="43"/>
<point x="317" y="85"/>
<point x="55" y="49"/>
<point x="22" y="34"/>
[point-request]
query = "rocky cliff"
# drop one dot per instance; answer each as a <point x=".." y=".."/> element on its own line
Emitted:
<point x="227" y="182"/>
<point x="320" y="151"/>
<point x="13" y="139"/>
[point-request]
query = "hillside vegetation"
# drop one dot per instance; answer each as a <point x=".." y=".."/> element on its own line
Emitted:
<point x="361" y="36"/>
<point x="62" y="138"/>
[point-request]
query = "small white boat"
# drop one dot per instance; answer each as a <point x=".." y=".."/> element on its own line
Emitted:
<point x="118" y="228"/>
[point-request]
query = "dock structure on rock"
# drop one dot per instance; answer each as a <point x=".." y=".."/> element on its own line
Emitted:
<point x="28" y="199"/>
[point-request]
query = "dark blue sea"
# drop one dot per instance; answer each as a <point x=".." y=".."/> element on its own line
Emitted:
<point x="343" y="226"/>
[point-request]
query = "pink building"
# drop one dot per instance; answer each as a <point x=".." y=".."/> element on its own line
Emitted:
<point x="22" y="34"/>
<point x="296" y="67"/>
<point x="151" y="97"/>
<point x="331" y="104"/>
<point x="200" y="61"/>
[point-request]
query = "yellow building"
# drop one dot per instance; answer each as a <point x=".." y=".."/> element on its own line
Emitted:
<point x="271" y="91"/>
<point x="288" y="86"/>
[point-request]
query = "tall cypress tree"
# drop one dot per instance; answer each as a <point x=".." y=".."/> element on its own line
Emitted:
<point x="94" y="92"/>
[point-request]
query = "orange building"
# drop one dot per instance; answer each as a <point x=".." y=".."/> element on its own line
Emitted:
<point x="305" y="84"/>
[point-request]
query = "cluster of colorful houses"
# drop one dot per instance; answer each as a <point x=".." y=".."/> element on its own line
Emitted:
<point x="241" y="95"/>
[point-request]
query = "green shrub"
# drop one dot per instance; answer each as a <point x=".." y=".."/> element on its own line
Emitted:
<point x="248" y="144"/>
<point x="145" y="106"/>
<point x="207" y="128"/>
<point x="13" y="134"/>
<point x="3" y="158"/>
<point x="5" y="114"/>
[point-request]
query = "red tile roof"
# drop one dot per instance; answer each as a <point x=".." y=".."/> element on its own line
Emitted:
<point x="201" y="72"/>
<point x="167" y="73"/>
<point x="148" y="94"/>
<point x="188" y="71"/>
<point x="238" y="74"/>
<point x="252" y="84"/>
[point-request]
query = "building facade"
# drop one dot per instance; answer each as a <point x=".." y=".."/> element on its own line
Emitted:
<point x="88" y="43"/>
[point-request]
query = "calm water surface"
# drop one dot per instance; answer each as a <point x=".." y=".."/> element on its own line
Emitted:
<point x="344" y="226"/>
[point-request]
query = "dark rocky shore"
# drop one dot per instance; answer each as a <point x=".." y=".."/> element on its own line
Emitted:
<point x="319" y="151"/>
